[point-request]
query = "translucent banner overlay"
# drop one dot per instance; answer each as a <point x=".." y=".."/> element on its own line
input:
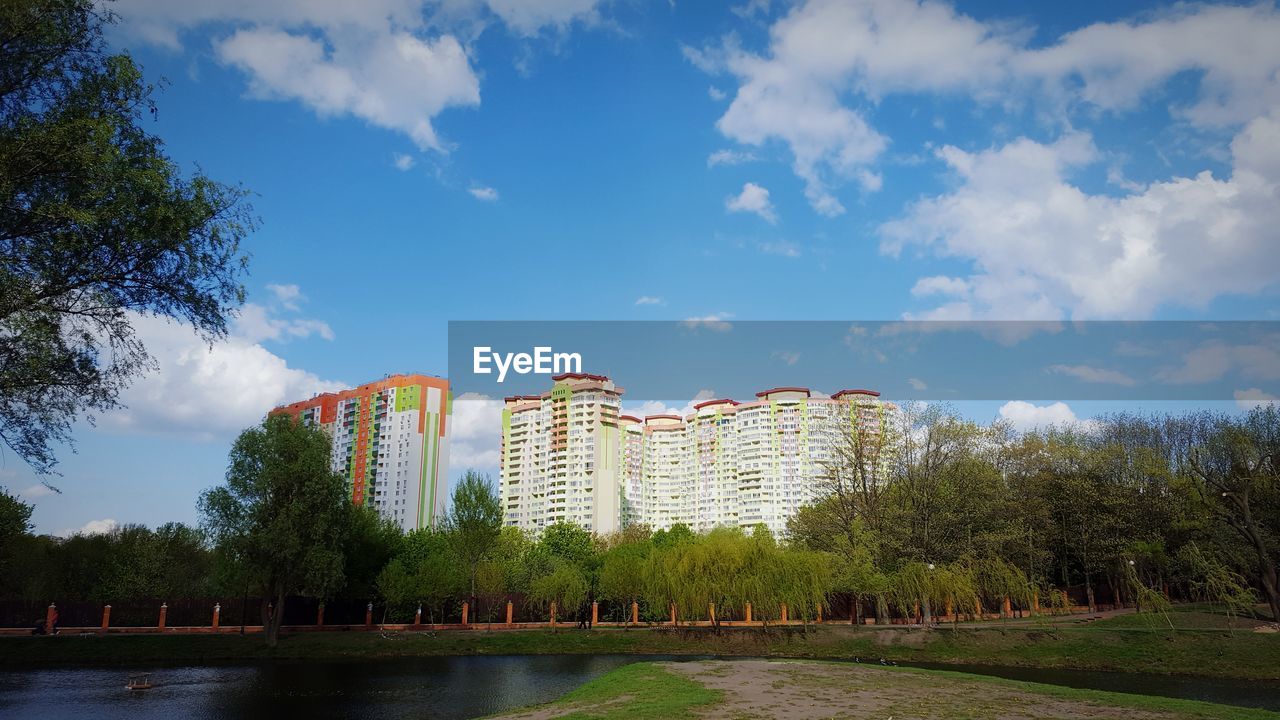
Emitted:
<point x="955" y="361"/>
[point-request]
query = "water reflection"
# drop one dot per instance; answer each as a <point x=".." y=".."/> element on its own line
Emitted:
<point x="442" y="687"/>
<point x="445" y="688"/>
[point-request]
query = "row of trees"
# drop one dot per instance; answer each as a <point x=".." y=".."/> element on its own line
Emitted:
<point x="927" y="511"/>
<point x="1135" y="503"/>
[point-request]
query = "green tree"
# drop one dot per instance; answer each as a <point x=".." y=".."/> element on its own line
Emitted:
<point x="474" y="522"/>
<point x="97" y="226"/>
<point x="371" y="542"/>
<point x="15" y="524"/>
<point x="1236" y="470"/>
<point x="282" y="513"/>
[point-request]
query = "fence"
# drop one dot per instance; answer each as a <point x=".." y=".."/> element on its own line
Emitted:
<point x="512" y="610"/>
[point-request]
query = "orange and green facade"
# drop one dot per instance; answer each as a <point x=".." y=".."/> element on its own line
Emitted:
<point x="391" y="442"/>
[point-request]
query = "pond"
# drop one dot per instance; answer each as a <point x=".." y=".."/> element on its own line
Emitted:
<point x="441" y="687"/>
<point x="429" y="687"/>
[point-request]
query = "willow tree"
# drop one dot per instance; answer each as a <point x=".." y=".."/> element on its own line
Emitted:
<point x="565" y="585"/>
<point x="282" y="514"/>
<point x="622" y="572"/>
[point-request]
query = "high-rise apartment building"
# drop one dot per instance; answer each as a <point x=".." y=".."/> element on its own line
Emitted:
<point x="391" y="441"/>
<point x="725" y="464"/>
<point x="562" y="455"/>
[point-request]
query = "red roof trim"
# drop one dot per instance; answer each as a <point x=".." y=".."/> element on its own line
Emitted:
<point x="771" y="391"/>
<point x="518" y="398"/>
<point x="709" y="403"/>
<point x="842" y="393"/>
<point x="632" y="418"/>
<point x="647" y="418"/>
<point x="579" y="376"/>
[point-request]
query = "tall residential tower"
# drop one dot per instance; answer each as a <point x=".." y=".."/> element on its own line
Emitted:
<point x="567" y="455"/>
<point x="391" y="442"/>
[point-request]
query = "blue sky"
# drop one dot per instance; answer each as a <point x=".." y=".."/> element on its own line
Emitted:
<point x="415" y="163"/>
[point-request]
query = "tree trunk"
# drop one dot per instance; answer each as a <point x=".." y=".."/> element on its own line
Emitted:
<point x="1088" y="591"/>
<point x="928" y="612"/>
<point x="274" y="617"/>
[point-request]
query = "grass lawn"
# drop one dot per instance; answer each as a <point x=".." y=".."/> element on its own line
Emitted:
<point x="746" y="689"/>
<point x="634" y="692"/>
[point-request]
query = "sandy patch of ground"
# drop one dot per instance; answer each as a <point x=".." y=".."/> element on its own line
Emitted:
<point x="760" y="689"/>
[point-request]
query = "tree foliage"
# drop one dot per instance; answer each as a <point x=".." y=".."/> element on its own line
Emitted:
<point x="283" y="514"/>
<point x="97" y="226"/>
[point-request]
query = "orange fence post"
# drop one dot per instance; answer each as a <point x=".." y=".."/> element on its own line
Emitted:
<point x="466" y="613"/>
<point x="1006" y="609"/>
<point x="368" y="615"/>
<point x="635" y="613"/>
<point x="673" y="613"/>
<point x="320" y="615"/>
<point x="217" y="615"/>
<point x="50" y="617"/>
<point x="553" y="615"/>
<point x="747" y="612"/>
<point x="509" y="607"/>
<point x="711" y="612"/>
<point x="106" y="617"/>
<point x="818" y="614"/>
<point x="164" y="612"/>
<point x="595" y="612"/>
<point x="784" y="613"/>
<point x="417" y="617"/>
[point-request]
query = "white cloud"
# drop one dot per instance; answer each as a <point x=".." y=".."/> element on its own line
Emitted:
<point x="475" y="435"/>
<point x="93" y="527"/>
<point x="790" y="358"/>
<point x="208" y="392"/>
<point x="1253" y="397"/>
<point x="657" y="407"/>
<point x="1024" y="416"/>
<point x="35" y="491"/>
<point x="527" y="17"/>
<point x="1091" y="374"/>
<point x="289" y="295"/>
<point x="1042" y="248"/>
<point x="940" y="285"/>
<point x="717" y="322"/>
<point x="827" y="60"/>
<point x="917" y="384"/>
<point x="729" y="157"/>
<point x="752" y="199"/>
<point x="716" y="93"/>
<point x="402" y="162"/>
<point x="390" y="79"/>
<point x="1232" y="51"/>
<point x="650" y="300"/>
<point x="1212" y="361"/>
<point x="256" y="323"/>
<point x="395" y="64"/>
<point x="487" y="194"/>
<point x="824" y="48"/>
